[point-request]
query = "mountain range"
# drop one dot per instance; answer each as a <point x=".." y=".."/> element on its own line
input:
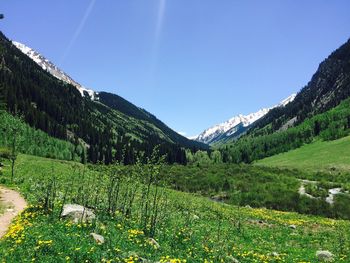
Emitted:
<point x="113" y="129"/>
<point x="237" y="125"/>
<point x="110" y="127"/>
<point x="319" y="111"/>
<point x="111" y="100"/>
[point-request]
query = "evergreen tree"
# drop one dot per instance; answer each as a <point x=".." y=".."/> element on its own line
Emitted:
<point x="2" y="97"/>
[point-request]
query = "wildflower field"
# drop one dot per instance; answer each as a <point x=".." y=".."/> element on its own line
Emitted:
<point x="141" y="221"/>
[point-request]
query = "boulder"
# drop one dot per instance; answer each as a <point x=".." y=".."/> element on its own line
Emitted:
<point x="98" y="238"/>
<point x="231" y="259"/>
<point x="77" y="213"/>
<point x="324" y="256"/>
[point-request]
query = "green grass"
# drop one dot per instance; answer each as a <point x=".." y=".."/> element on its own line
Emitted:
<point x="190" y="228"/>
<point x="319" y="155"/>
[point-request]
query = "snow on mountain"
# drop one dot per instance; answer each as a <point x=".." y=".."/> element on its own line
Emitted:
<point x="232" y="125"/>
<point x="194" y="137"/>
<point x="286" y="100"/>
<point x="53" y="69"/>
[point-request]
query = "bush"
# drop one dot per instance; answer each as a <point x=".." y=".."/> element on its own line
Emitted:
<point x="5" y="153"/>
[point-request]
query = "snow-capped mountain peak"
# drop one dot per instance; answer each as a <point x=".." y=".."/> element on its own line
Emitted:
<point x="53" y="69"/>
<point x="231" y="126"/>
<point x="286" y="100"/>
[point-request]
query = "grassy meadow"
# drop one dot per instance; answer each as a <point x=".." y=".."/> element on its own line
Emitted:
<point x="185" y="227"/>
<point x="317" y="156"/>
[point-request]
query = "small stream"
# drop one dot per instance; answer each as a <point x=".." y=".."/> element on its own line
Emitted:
<point x="331" y="192"/>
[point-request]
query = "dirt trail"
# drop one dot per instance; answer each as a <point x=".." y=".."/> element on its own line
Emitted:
<point x="14" y="204"/>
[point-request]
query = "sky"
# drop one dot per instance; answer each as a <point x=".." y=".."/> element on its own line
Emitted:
<point x="192" y="63"/>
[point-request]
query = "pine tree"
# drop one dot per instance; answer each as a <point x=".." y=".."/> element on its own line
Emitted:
<point x="2" y="97"/>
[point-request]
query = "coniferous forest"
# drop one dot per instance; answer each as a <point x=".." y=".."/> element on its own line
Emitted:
<point x="120" y="133"/>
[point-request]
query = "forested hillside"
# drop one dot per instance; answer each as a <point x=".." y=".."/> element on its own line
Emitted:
<point x="320" y="110"/>
<point x="326" y="89"/>
<point x="58" y="109"/>
<point x="330" y="125"/>
<point x="25" y="139"/>
<point x="118" y="103"/>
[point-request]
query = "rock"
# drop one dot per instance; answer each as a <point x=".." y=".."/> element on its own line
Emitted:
<point x="293" y="226"/>
<point x="261" y="223"/>
<point x="154" y="243"/>
<point x="77" y="213"/>
<point x="231" y="259"/>
<point x="145" y="260"/>
<point x="274" y="254"/>
<point x="98" y="238"/>
<point x="324" y="256"/>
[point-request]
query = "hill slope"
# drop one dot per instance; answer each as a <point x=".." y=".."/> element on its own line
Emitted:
<point x="47" y="65"/>
<point x="58" y="108"/>
<point x="118" y="103"/>
<point x="326" y="89"/>
<point x="319" y="155"/>
<point x="320" y="110"/>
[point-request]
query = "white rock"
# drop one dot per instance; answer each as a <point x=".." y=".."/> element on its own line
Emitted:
<point x="274" y="254"/>
<point x="231" y="259"/>
<point x="98" y="238"/>
<point x="77" y="213"/>
<point x="324" y="256"/>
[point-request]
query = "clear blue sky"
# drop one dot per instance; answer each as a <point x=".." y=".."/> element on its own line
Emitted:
<point x="192" y="63"/>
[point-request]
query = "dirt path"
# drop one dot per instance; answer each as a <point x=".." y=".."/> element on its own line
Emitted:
<point x="14" y="204"/>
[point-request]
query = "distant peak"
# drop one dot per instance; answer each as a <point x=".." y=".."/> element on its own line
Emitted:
<point x="47" y="65"/>
<point x="214" y="132"/>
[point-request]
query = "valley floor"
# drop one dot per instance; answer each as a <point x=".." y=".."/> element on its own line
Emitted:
<point x="189" y="228"/>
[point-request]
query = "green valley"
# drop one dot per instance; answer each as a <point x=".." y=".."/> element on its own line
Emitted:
<point x="188" y="228"/>
<point x="88" y="176"/>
